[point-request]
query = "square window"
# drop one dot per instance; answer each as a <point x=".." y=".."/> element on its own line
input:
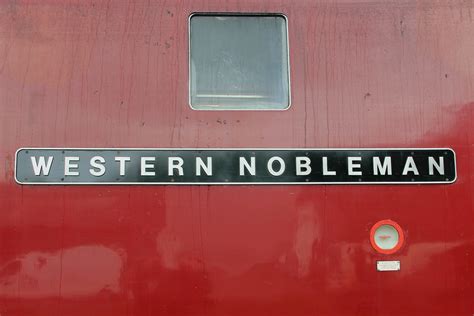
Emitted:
<point x="238" y="62"/>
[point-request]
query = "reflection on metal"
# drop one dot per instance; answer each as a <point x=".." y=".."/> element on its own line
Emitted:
<point x="364" y="74"/>
<point x="86" y="271"/>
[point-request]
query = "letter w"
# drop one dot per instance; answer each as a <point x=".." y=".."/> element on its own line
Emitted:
<point x="41" y="166"/>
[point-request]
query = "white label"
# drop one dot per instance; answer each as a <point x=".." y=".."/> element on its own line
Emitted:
<point x="388" y="265"/>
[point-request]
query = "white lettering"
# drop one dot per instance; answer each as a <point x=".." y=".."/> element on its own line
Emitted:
<point x="243" y="163"/>
<point x="384" y="169"/>
<point x="326" y="171"/>
<point x="41" y="166"/>
<point x="410" y="167"/>
<point x="121" y="161"/>
<point x="97" y="162"/>
<point x="175" y="163"/>
<point x="439" y="166"/>
<point x="207" y="168"/>
<point x="68" y="166"/>
<point x="270" y="166"/>
<point x="351" y="164"/>
<point x="145" y="165"/>
<point x="303" y="163"/>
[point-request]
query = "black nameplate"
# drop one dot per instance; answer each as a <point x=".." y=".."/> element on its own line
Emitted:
<point x="234" y="166"/>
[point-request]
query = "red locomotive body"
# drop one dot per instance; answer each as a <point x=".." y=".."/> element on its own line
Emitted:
<point x="115" y="74"/>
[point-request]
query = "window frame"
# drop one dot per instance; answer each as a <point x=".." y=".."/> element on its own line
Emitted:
<point x="250" y="14"/>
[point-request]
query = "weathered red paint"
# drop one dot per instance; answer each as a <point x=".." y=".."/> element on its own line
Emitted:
<point x="114" y="74"/>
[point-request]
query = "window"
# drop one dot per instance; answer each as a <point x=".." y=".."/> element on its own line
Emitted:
<point x="238" y="62"/>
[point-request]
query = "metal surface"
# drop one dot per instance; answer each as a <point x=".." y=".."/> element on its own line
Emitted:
<point x="115" y="74"/>
<point x="388" y="266"/>
<point x="236" y="166"/>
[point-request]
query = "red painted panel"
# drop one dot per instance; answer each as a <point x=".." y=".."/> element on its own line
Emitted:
<point x="114" y="74"/>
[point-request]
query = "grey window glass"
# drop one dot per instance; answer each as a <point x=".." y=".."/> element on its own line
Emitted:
<point x="239" y="62"/>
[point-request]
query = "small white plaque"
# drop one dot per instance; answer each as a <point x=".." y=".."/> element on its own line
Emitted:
<point x="388" y="265"/>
